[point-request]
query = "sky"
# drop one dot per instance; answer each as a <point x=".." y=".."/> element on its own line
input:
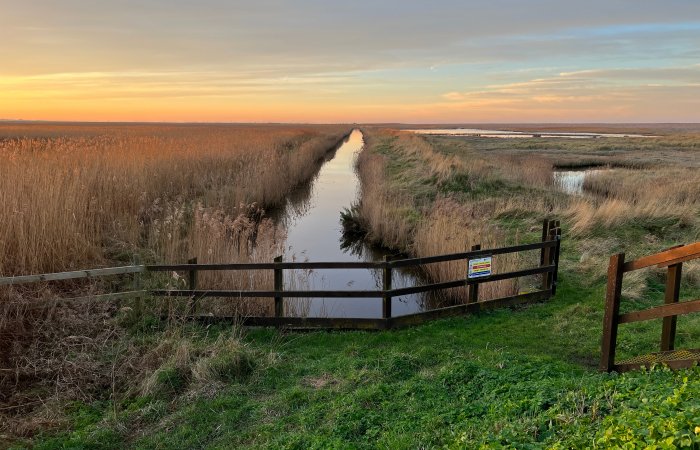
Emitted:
<point x="440" y="61"/>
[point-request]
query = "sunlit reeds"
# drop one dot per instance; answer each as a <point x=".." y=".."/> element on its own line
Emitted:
<point x="78" y="200"/>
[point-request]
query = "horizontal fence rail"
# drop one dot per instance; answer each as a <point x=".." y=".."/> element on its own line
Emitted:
<point x="60" y="276"/>
<point x="399" y="263"/>
<point x="671" y="259"/>
<point x="549" y="248"/>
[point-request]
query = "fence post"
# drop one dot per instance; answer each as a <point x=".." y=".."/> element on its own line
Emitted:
<point x="547" y="253"/>
<point x="192" y="286"/>
<point x="138" y="285"/>
<point x="555" y="258"/>
<point x="545" y="232"/>
<point x="673" y="286"/>
<point x="386" y="297"/>
<point x="279" y="286"/>
<point x="473" y="296"/>
<point x="612" y="311"/>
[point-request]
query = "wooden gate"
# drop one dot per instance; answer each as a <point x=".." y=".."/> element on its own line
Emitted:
<point x="673" y="260"/>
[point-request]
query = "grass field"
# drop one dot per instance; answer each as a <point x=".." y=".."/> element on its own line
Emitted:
<point x="506" y="379"/>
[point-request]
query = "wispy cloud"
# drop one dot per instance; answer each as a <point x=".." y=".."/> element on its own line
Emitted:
<point x="392" y="60"/>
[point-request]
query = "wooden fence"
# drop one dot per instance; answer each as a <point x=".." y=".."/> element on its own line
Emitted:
<point x="548" y="247"/>
<point x="673" y="260"/>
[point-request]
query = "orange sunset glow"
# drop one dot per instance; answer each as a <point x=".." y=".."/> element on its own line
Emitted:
<point x="397" y="62"/>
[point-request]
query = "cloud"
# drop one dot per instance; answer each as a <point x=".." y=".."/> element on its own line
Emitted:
<point x="409" y="56"/>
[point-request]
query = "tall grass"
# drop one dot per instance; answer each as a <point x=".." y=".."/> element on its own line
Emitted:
<point x="77" y="200"/>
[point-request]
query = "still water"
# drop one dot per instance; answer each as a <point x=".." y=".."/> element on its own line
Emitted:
<point x="571" y="181"/>
<point x="314" y="233"/>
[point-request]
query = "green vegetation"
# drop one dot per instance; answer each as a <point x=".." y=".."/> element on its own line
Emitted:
<point x="523" y="379"/>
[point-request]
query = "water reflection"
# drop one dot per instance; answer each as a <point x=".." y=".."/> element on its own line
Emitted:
<point x="504" y="134"/>
<point x="314" y="233"/>
<point x="571" y="181"/>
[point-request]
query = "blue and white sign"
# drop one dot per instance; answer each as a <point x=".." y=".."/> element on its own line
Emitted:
<point x="479" y="268"/>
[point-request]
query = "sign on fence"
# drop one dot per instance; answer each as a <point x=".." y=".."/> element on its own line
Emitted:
<point x="479" y="267"/>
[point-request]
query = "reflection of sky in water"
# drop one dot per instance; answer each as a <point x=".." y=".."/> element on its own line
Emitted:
<point x="571" y="181"/>
<point x="314" y="233"/>
<point x="517" y="134"/>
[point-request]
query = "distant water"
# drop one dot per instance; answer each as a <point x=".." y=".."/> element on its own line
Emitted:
<point x="504" y="134"/>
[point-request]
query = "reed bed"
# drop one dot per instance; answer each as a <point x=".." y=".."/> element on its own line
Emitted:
<point x="75" y="201"/>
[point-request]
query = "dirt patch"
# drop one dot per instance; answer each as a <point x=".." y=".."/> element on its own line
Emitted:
<point x="325" y="380"/>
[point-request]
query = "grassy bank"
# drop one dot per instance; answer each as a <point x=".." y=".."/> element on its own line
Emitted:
<point x="520" y="379"/>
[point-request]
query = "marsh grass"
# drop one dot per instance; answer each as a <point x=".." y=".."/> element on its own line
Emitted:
<point x="430" y="194"/>
<point x="78" y="197"/>
<point x="407" y="203"/>
<point x="77" y="200"/>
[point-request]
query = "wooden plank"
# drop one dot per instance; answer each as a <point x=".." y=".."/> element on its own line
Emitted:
<point x="473" y="292"/>
<point x="192" y="285"/>
<point x="665" y="258"/>
<point x="60" y="276"/>
<point x="469" y="308"/>
<point x="426" y="316"/>
<point x="671" y="296"/>
<point x="266" y="266"/>
<point x="265" y="294"/>
<point x="514" y="274"/>
<point x="555" y="274"/>
<point x="386" y="299"/>
<point x="673" y="262"/>
<point x="546" y="256"/>
<point x="612" y="312"/>
<point x="658" y="312"/>
<point x="471" y="254"/>
<point x="350" y="264"/>
<point x="279" y="286"/>
<point x="427" y="287"/>
<point x="515" y="300"/>
<point x="301" y="322"/>
<point x="545" y="233"/>
<point x="379" y="324"/>
<point x="110" y="296"/>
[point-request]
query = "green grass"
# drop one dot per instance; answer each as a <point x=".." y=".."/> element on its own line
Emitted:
<point x="522" y="378"/>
